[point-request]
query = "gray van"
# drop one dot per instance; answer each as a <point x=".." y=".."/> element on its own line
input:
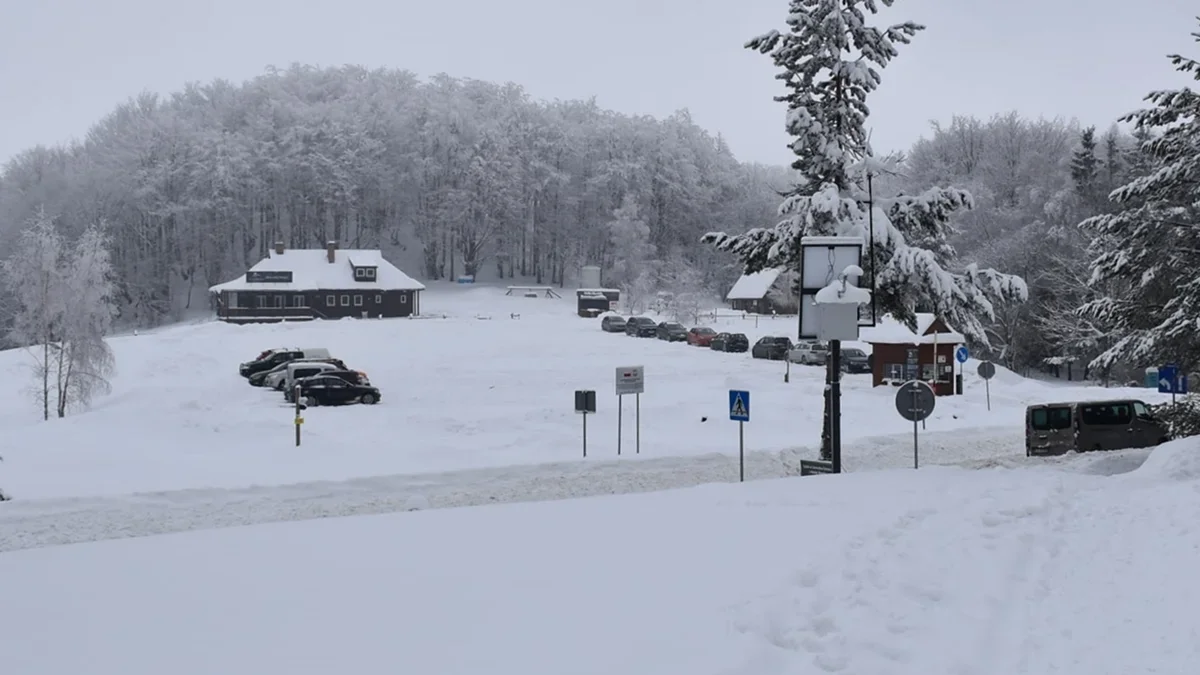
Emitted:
<point x="1055" y="428"/>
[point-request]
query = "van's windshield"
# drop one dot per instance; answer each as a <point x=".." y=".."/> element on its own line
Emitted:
<point x="1049" y="419"/>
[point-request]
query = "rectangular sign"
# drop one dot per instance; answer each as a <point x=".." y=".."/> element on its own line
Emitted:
<point x="631" y="380"/>
<point x="585" y="401"/>
<point x="815" y="468"/>
<point x="269" y="277"/>
<point x="739" y="405"/>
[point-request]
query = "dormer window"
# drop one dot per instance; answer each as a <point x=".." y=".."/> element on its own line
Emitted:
<point x="364" y="273"/>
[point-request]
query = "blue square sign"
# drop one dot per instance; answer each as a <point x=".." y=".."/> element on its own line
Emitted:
<point x="739" y="405"/>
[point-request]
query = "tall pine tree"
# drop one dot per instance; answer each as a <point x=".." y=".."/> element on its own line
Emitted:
<point x="830" y="61"/>
<point x="1152" y="243"/>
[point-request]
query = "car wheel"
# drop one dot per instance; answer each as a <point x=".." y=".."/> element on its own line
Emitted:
<point x="368" y="399"/>
<point x="310" y="401"/>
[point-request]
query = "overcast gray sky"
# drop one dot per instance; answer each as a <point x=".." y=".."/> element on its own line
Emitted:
<point x="65" y="63"/>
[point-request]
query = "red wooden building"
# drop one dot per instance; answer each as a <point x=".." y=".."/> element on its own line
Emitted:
<point x="899" y="355"/>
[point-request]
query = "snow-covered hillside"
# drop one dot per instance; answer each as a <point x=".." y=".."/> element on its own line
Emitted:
<point x="943" y="570"/>
<point x="476" y="389"/>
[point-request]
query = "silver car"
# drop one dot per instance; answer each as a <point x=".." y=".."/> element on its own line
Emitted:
<point x="809" y="353"/>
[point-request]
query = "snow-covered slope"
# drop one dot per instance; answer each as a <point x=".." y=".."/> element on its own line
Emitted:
<point x="478" y="388"/>
<point x="942" y="570"/>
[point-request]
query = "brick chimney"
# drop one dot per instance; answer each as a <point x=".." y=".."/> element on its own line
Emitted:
<point x="330" y="249"/>
<point x="279" y="248"/>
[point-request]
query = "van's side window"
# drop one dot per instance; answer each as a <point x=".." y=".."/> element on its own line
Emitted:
<point x="1046" y="419"/>
<point x="1107" y="414"/>
<point x="1140" y="409"/>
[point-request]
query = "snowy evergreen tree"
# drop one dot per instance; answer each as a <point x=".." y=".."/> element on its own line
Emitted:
<point x="1152" y="244"/>
<point x="1085" y="166"/>
<point x="829" y="61"/>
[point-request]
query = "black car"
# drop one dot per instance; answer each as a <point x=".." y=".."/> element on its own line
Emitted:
<point x="613" y="323"/>
<point x="268" y="360"/>
<point x="855" y="361"/>
<point x="352" y="376"/>
<point x="774" y="348"/>
<point x="329" y="390"/>
<point x="671" y="332"/>
<point x="641" y="326"/>
<point x="730" y="342"/>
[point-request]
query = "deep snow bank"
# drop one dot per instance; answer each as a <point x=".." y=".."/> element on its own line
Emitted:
<point x="1175" y="461"/>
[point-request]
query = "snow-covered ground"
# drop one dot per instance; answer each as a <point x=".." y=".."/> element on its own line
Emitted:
<point x="477" y="389"/>
<point x="1054" y="569"/>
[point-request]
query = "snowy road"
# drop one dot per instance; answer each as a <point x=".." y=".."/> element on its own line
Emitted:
<point x="49" y="522"/>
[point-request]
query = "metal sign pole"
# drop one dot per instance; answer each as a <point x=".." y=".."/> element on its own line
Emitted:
<point x="637" y="401"/>
<point x="916" y="455"/>
<point x="987" y="388"/>
<point x="620" y="409"/>
<point x="585" y="434"/>
<point x="742" y="452"/>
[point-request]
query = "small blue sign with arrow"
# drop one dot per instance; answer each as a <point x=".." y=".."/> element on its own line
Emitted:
<point x="961" y="354"/>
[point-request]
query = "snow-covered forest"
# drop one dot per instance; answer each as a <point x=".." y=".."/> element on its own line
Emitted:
<point x="447" y="176"/>
<point x="454" y="177"/>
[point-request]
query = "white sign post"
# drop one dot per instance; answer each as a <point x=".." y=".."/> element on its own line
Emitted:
<point x="630" y="380"/>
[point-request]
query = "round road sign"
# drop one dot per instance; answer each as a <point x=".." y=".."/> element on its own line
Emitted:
<point x="987" y="370"/>
<point x="961" y="354"/>
<point x="915" y="400"/>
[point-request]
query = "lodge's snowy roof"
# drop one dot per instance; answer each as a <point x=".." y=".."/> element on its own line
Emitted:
<point x="890" y="331"/>
<point x="754" y="286"/>
<point x="312" y="271"/>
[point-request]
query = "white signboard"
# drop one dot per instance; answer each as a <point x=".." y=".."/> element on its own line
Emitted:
<point x="630" y="380"/>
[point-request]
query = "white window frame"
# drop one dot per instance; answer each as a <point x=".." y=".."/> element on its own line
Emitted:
<point x="379" y="299"/>
<point x="345" y="301"/>
<point x="369" y="273"/>
<point x="260" y="301"/>
<point x="358" y="301"/>
<point x="331" y="301"/>
<point x="299" y="301"/>
<point x="360" y="273"/>
<point x="233" y="299"/>
<point x="404" y="298"/>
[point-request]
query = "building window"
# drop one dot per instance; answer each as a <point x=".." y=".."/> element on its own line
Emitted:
<point x="928" y="373"/>
<point x="893" y="371"/>
<point x="297" y="301"/>
<point x="261" y="302"/>
<point x="359" y="273"/>
<point x="232" y="299"/>
<point x="345" y="301"/>
<point x="404" y="298"/>
<point x="358" y="301"/>
<point x="370" y="272"/>
<point x="330" y="300"/>
<point x="279" y="302"/>
<point x="379" y="299"/>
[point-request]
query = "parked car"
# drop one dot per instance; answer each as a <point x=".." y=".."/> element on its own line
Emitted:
<point x="729" y="342"/>
<point x="272" y="358"/>
<point x="671" y="331"/>
<point x="613" y="323"/>
<point x="771" y="347"/>
<point x="809" y="353"/>
<point x="1056" y="428"/>
<point x="855" y="361"/>
<point x="701" y="336"/>
<point x="330" y="390"/>
<point x="352" y="376"/>
<point x="641" y="326"/>
<point x="273" y="377"/>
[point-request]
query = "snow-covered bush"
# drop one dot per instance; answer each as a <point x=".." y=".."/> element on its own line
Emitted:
<point x="1182" y="418"/>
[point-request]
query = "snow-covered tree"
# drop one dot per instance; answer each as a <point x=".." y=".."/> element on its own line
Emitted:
<point x="631" y="269"/>
<point x="84" y="360"/>
<point x="830" y="60"/>
<point x="34" y="274"/>
<point x="64" y="309"/>
<point x="1152" y="244"/>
